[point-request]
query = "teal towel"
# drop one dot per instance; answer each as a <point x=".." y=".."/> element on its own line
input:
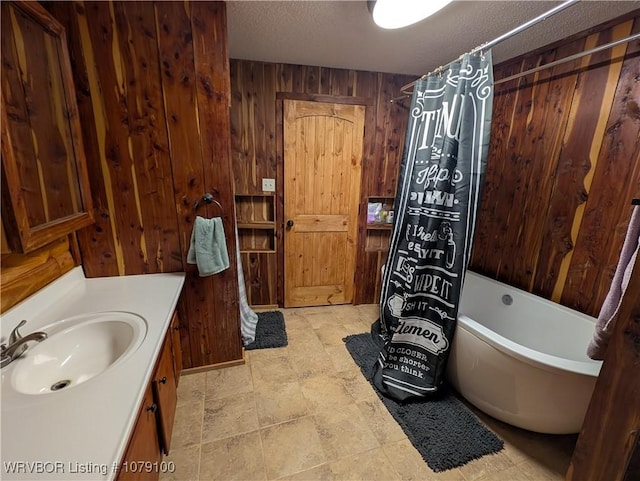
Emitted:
<point x="208" y="247"/>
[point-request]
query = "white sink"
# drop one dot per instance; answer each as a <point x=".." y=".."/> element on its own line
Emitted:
<point x="76" y="350"/>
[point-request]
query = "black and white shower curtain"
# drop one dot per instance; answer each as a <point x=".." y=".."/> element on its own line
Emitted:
<point x="441" y="178"/>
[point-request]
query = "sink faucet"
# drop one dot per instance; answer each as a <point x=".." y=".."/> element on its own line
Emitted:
<point x="18" y="344"/>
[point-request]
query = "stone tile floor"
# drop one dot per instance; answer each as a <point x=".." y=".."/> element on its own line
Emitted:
<point x="305" y="412"/>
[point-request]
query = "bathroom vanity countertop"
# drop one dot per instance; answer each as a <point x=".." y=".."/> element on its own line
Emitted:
<point x="82" y="432"/>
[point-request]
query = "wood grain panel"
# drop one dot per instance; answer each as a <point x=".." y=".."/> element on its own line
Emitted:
<point x="116" y="160"/>
<point x="538" y="152"/>
<point x="385" y="140"/>
<point x="209" y="27"/>
<point x="47" y="114"/>
<point x="592" y="102"/>
<point x="607" y="447"/>
<point x="513" y="186"/>
<point x="16" y="117"/>
<point x="129" y="168"/>
<point x="616" y="180"/>
<point x="97" y="238"/>
<point x="487" y="241"/>
<point x="148" y="140"/>
<point x="178" y="83"/>
<point x="261" y="286"/>
<point x="25" y="274"/>
<point x="320" y="222"/>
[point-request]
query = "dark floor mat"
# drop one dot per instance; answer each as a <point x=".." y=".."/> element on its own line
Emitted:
<point x="443" y="430"/>
<point x="270" y="331"/>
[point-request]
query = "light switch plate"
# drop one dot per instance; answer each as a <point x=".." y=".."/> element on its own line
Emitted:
<point x="268" y="185"/>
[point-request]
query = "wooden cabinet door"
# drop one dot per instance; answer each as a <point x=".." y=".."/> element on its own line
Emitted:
<point x="175" y="346"/>
<point x="322" y="164"/>
<point x="166" y="395"/>
<point x="144" y="445"/>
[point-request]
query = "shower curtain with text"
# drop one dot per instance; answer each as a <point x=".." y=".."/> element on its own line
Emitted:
<point x="439" y="188"/>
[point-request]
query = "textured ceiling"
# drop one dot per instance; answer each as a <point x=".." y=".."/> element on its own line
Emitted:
<point x="342" y="34"/>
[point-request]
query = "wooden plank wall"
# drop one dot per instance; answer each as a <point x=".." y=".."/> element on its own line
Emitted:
<point x="609" y="443"/>
<point x="564" y="164"/>
<point x="153" y="94"/>
<point x="256" y="130"/>
<point x="25" y="274"/>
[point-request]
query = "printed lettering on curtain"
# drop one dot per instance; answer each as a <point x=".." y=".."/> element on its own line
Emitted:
<point x="441" y="178"/>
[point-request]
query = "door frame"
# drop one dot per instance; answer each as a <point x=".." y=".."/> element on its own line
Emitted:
<point x="366" y="102"/>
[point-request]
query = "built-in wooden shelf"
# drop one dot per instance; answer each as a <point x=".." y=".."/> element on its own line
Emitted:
<point x="268" y="194"/>
<point x="256" y="225"/>
<point x="378" y="234"/>
<point x="380" y="226"/>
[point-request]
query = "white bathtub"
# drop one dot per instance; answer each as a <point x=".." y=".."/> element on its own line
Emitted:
<point x="523" y="363"/>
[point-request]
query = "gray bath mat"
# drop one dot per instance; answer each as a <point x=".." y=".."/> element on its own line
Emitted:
<point x="443" y="430"/>
<point x="270" y="331"/>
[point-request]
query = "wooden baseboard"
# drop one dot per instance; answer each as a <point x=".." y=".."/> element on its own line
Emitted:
<point x="266" y="307"/>
<point x="211" y="367"/>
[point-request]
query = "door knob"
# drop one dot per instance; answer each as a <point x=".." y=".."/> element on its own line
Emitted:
<point x="289" y="224"/>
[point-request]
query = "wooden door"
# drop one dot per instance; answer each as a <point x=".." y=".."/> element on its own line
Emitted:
<point x="322" y="163"/>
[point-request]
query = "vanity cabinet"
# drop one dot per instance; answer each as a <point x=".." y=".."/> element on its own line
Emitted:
<point x="151" y="437"/>
<point x="45" y="186"/>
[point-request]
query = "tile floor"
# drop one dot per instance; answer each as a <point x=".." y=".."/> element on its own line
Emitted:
<point x="305" y="412"/>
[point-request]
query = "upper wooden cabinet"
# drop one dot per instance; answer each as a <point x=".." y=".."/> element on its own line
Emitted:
<point x="45" y="188"/>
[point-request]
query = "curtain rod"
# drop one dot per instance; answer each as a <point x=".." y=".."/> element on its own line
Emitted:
<point x="576" y="56"/>
<point x="500" y="39"/>
<point x="570" y="58"/>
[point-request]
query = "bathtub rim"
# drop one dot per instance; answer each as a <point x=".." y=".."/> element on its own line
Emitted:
<point x="535" y="297"/>
<point x="526" y="354"/>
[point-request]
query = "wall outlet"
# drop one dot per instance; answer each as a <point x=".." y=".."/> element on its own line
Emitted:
<point x="268" y="185"/>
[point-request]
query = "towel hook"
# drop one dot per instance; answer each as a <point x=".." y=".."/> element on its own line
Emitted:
<point x="207" y="199"/>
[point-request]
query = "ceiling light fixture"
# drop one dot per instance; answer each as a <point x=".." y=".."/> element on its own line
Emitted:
<point x="391" y="14"/>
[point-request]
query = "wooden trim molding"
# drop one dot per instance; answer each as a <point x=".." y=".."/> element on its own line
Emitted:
<point x="330" y="99"/>
<point x="213" y="367"/>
